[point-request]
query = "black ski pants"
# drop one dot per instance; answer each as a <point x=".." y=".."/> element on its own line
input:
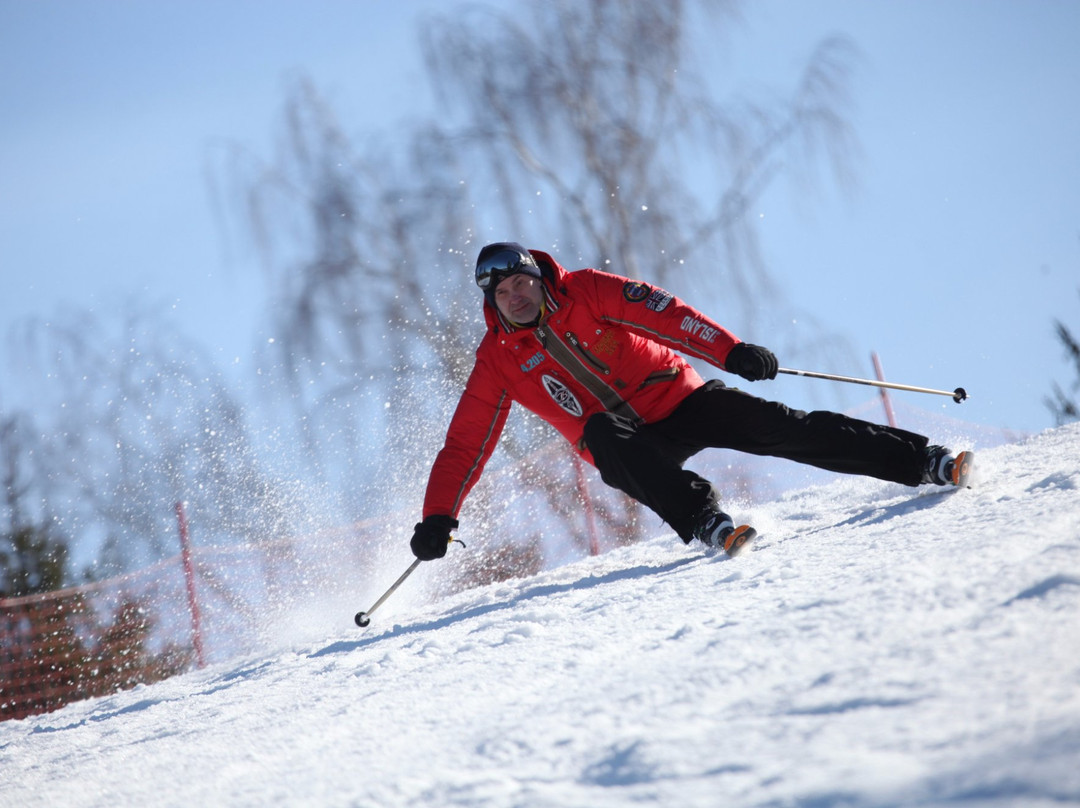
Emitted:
<point x="646" y="460"/>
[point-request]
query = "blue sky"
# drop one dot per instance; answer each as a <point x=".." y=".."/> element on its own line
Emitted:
<point x="952" y="257"/>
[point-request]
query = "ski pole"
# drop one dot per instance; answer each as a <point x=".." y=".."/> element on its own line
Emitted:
<point x="364" y="618"/>
<point x="957" y="395"/>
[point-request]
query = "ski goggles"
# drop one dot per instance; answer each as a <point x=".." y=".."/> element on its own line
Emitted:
<point x="493" y="268"/>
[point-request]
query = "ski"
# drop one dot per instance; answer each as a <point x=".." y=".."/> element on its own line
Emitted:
<point x="963" y="468"/>
<point x="739" y="540"/>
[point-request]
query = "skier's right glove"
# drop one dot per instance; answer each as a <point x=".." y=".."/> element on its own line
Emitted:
<point x="752" y="362"/>
<point x="432" y="536"/>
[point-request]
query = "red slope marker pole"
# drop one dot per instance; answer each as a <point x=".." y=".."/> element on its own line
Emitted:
<point x="189" y="576"/>
<point x="884" y="395"/>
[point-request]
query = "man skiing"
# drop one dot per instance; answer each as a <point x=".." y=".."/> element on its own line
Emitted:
<point x="594" y="355"/>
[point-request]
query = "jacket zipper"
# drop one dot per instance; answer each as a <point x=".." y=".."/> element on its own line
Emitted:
<point x="666" y="375"/>
<point x="571" y="360"/>
<point x="588" y="357"/>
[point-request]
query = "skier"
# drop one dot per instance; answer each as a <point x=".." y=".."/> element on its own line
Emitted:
<point x="594" y="355"/>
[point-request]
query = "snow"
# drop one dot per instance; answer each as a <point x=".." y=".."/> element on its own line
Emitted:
<point x="881" y="646"/>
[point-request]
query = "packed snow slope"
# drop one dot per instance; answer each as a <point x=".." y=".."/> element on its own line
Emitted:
<point x="881" y="646"/>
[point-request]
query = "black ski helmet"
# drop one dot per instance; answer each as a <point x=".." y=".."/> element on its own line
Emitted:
<point x="501" y="260"/>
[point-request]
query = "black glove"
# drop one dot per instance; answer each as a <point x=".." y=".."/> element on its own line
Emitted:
<point x="752" y="362"/>
<point x="432" y="536"/>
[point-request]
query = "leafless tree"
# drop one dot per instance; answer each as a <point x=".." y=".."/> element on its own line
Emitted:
<point x="133" y="419"/>
<point x="361" y="248"/>
<point x="577" y="126"/>
<point x="595" y="112"/>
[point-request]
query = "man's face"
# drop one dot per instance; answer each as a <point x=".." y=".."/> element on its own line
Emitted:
<point x="518" y="298"/>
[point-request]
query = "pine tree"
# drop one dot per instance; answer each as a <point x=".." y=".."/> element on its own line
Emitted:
<point x="1064" y="404"/>
<point x="54" y="650"/>
<point x="31" y="561"/>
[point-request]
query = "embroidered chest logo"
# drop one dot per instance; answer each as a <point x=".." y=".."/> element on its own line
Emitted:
<point x="562" y="396"/>
<point x="606" y="345"/>
<point x="532" y="362"/>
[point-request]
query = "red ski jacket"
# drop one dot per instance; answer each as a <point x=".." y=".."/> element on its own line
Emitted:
<point x="605" y="343"/>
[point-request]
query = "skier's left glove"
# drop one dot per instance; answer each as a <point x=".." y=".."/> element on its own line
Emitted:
<point x="432" y="536"/>
<point x="752" y="362"/>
